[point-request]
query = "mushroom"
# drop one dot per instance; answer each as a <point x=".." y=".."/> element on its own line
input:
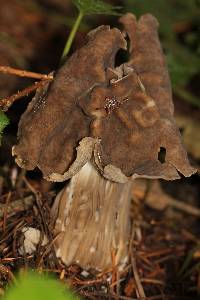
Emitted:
<point x="103" y="126"/>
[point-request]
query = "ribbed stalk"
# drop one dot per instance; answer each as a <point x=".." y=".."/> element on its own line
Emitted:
<point x="92" y="220"/>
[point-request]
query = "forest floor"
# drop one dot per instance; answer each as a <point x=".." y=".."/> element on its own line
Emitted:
<point x="165" y="246"/>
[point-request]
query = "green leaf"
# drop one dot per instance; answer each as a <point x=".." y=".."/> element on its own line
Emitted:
<point x="89" y="7"/>
<point x="38" y="287"/>
<point x="4" y="121"/>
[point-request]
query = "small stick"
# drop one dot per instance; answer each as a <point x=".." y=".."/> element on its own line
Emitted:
<point x="38" y="197"/>
<point x="152" y="281"/>
<point x="46" y="251"/>
<point x="11" y="259"/>
<point x="19" y="226"/>
<point x="7" y="102"/>
<point x="137" y="279"/>
<point x="161" y="252"/>
<point x="88" y="282"/>
<point x="23" y="73"/>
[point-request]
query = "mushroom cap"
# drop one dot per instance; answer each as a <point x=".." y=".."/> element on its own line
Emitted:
<point x="121" y="116"/>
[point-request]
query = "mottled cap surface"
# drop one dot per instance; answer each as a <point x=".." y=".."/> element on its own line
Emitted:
<point x="121" y="116"/>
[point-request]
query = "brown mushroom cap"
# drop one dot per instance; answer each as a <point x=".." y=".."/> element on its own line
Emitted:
<point x="123" y="115"/>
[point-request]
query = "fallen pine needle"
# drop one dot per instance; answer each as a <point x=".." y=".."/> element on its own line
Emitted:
<point x="138" y="283"/>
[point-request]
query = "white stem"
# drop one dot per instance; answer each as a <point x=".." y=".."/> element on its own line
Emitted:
<point x="92" y="220"/>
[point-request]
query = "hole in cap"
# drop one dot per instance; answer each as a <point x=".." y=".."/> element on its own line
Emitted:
<point x="162" y="155"/>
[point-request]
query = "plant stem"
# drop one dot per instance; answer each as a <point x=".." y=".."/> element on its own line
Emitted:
<point x="72" y="34"/>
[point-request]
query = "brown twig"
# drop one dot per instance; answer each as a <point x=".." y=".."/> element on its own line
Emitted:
<point x="12" y="259"/>
<point x="38" y="198"/>
<point x="138" y="283"/>
<point x="7" y="102"/>
<point x="46" y="251"/>
<point x="105" y="273"/>
<point x="23" y="73"/>
<point x="9" y="229"/>
<point x="19" y="226"/>
<point x="157" y="252"/>
<point x="88" y="282"/>
<point x="152" y="281"/>
<point x="156" y="272"/>
<point x="148" y="265"/>
<point x="139" y="287"/>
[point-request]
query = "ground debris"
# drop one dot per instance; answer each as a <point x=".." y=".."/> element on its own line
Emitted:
<point x="156" y="198"/>
<point x="158" y="251"/>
